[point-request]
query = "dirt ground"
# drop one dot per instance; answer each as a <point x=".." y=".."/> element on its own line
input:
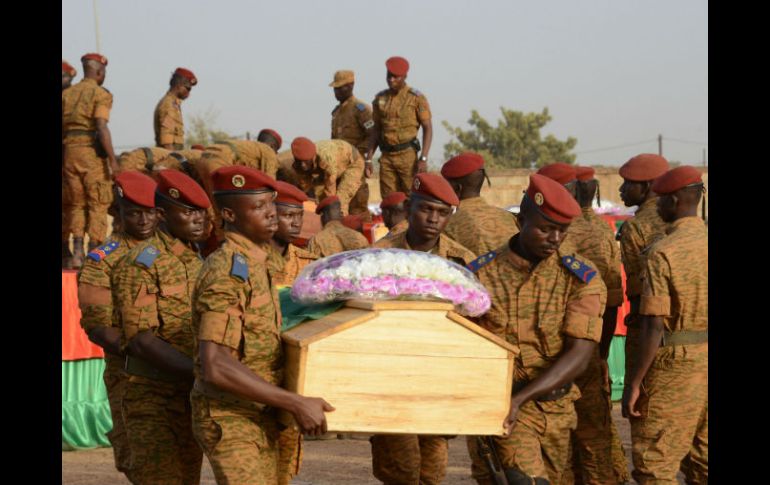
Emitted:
<point x="326" y="462"/>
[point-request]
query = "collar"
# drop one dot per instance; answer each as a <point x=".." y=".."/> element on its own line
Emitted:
<point x="472" y="202"/>
<point x="244" y="245"/>
<point x="173" y="245"/>
<point x="689" y="221"/>
<point x="647" y="205"/>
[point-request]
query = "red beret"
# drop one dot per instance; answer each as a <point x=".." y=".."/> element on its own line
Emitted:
<point x="353" y="221"/>
<point x="289" y="194"/>
<point x="397" y="65"/>
<point x="393" y="199"/>
<point x="181" y="189"/>
<point x="552" y="199"/>
<point x="237" y="179"/>
<point x="94" y="57"/>
<point x="644" y="167"/>
<point x="136" y="188"/>
<point x="198" y="147"/>
<point x="274" y="134"/>
<point x="303" y="148"/>
<point x="462" y="165"/>
<point x="435" y="186"/>
<point x="563" y="173"/>
<point x="326" y="203"/>
<point x="187" y="74"/>
<point x="66" y="67"/>
<point x="675" y="179"/>
<point x="585" y="173"/>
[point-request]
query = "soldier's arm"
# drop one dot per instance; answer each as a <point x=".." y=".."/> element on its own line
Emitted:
<point x="105" y="138"/>
<point x="350" y="180"/>
<point x="374" y="137"/>
<point x="424" y="116"/>
<point x="166" y="125"/>
<point x="330" y="177"/>
<point x="95" y="301"/>
<point x="614" y="283"/>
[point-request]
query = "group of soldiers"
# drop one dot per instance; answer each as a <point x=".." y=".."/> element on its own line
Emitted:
<point x="183" y="295"/>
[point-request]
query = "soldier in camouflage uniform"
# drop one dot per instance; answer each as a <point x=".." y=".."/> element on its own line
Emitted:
<point x="141" y="159"/>
<point x="352" y="122"/>
<point x="67" y="74"/>
<point x="236" y="322"/>
<point x="398" y="113"/>
<point x="271" y="138"/>
<point x="476" y="225"/>
<point x="136" y="204"/>
<point x="420" y="459"/>
<point x="152" y="290"/>
<point x="547" y="301"/>
<point x="394" y="213"/>
<point x="167" y="119"/>
<point x="666" y="394"/>
<point x="335" y="237"/>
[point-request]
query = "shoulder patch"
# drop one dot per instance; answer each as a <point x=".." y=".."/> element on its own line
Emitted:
<point x="240" y="268"/>
<point x="416" y="92"/>
<point x="584" y="272"/>
<point x="147" y="257"/>
<point x="481" y="261"/>
<point x="103" y="251"/>
<point x="361" y="107"/>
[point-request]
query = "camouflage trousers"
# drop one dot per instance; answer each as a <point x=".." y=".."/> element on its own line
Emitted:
<point x="159" y="434"/>
<point x="409" y="459"/>
<point x="242" y="447"/>
<point x="359" y="202"/>
<point x="89" y="193"/>
<point x="289" y="455"/>
<point x="397" y="171"/>
<point x="539" y="445"/>
<point x="115" y="381"/>
<point x="672" y="432"/>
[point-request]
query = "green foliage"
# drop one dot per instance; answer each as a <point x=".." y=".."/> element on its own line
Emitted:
<point x="515" y="142"/>
<point x="202" y="129"/>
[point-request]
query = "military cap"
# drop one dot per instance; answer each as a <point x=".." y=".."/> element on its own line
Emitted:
<point x="237" y="179"/>
<point x="563" y="173"/>
<point x="397" y="65"/>
<point x="187" y="74"/>
<point x="461" y="165"/>
<point x="436" y="187"/>
<point x="94" y="57"/>
<point x="198" y="147"/>
<point x="342" y="78"/>
<point x="289" y="194"/>
<point x="66" y="67"/>
<point x="179" y="188"/>
<point x="353" y="221"/>
<point x="303" y="148"/>
<point x="644" y="167"/>
<point x="326" y="203"/>
<point x="393" y="199"/>
<point x="272" y="133"/>
<point x="677" y="178"/>
<point x="136" y="187"/>
<point x="585" y="174"/>
<point x="552" y="199"/>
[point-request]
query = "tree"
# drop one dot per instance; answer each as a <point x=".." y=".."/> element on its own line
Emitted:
<point x="202" y="129"/>
<point x="514" y="143"/>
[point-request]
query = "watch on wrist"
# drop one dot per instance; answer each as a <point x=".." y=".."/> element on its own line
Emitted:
<point x="423" y="158"/>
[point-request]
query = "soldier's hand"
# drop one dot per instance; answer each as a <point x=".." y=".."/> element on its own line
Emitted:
<point x="630" y="398"/>
<point x="310" y="416"/>
<point x="368" y="169"/>
<point x="510" y="420"/>
<point x="422" y="166"/>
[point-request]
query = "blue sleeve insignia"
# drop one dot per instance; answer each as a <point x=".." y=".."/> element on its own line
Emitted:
<point x="579" y="269"/>
<point x="361" y="107"/>
<point x="240" y="268"/>
<point x="481" y="261"/>
<point x="103" y="251"/>
<point x="147" y="257"/>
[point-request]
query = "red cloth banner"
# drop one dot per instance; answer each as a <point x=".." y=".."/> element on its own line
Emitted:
<point x="74" y="341"/>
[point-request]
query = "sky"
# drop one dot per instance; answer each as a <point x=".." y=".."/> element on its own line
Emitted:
<point x="614" y="74"/>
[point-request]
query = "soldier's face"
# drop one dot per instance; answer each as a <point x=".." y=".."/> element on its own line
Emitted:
<point x="184" y="223"/>
<point x="393" y="215"/>
<point x="138" y="222"/>
<point x="540" y="237"/>
<point x="253" y="215"/>
<point x="304" y="166"/>
<point x="343" y="92"/>
<point x="632" y="193"/>
<point x="289" y="222"/>
<point x="184" y="90"/>
<point x="426" y="218"/>
<point x="395" y="83"/>
<point x="667" y="207"/>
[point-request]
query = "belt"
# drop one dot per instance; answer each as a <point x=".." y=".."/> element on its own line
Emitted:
<point x="209" y="390"/>
<point x="139" y="367"/>
<point x="414" y="143"/>
<point x="150" y="159"/>
<point x="91" y="133"/>
<point x="557" y="393"/>
<point x="684" y="337"/>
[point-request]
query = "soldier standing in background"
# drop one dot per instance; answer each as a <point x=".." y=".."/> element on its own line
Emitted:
<point x="67" y="74"/>
<point x="271" y="138"/>
<point x="167" y="120"/>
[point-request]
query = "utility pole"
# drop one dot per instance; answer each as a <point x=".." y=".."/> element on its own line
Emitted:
<point x="660" y="145"/>
<point x="248" y="135"/>
<point x="96" y="24"/>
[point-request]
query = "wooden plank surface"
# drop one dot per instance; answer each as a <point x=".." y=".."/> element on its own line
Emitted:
<point x="399" y="305"/>
<point x="314" y="330"/>
<point x="455" y="317"/>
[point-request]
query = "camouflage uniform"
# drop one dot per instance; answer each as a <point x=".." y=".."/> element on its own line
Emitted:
<point x="168" y="122"/>
<point x="142" y="159"/>
<point x="481" y="227"/>
<point x="350" y="121"/>
<point x="535" y="308"/>
<point x="95" y="299"/>
<point x="415" y="459"/>
<point x="152" y="287"/>
<point x="85" y="171"/>
<point x="291" y="264"/>
<point x="236" y="305"/>
<point x="336" y="238"/>
<point x="673" y="428"/>
<point x="400" y="227"/>
<point x="397" y="118"/>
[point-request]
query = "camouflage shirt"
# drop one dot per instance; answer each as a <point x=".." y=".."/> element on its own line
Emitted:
<point x="168" y="121"/>
<point x="636" y="235"/>
<point x="447" y="248"/>
<point x="142" y="159"/>
<point x="289" y="264"/>
<point x="398" y="116"/>
<point x="336" y="238"/>
<point x="481" y="227"/>
<point x="248" y="153"/>
<point x="81" y="104"/>
<point x="350" y="121"/>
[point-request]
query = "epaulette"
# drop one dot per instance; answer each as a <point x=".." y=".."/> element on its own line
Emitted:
<point x="147" y="257"/>
<point x="103" y="251"/>
<point x="584" y="272"/>
<point x="416" y="92"/>
<point x="482" y="261"/>
<point x="361" y="107"/>
<point x="381" y="93"/>
<point x="240" y="268"/>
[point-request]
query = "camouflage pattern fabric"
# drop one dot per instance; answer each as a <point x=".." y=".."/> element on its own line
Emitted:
<point x="446" y="247"/>
<point x="336" y="238"/>
<point x="350" y="120"/>
<point x="137" y="159"/>
<point x="340" y="170"/>
<point x="400" y="227"/>
<point x="481" y="227"/>
<point x="168" y="122"/>
<point x="290" y="264"/>
<point x="397" y="171"/>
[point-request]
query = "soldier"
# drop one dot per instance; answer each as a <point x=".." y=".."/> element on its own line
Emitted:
<point x="638" y="233"/>
<point x="290" y="212"/>
<point x="141" y="159"/>
<point x="394" y="213"/>
<point x="168" y="120"/>
<point x="547" y="301"/>
<point x="152" y="288"/>
<point x="334" y="237"/>
<point x="476" y="225"/>
<point x="398" y="112"/>
<point x="271" y="138"/>
<point x="352" y="122"/>
<point x="136" y="205"/>
<point x="413" y="459"/>
<point x="237" y="322"/>
<point x="68" y="73"/>
<point x="89" y="160"/>
<point x="671" y="363"/>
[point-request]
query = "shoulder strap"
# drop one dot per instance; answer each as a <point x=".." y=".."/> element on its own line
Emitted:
<point x="240" y="268"/>
<point x="147" y="257"/>
<point x="578" y="268"/>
